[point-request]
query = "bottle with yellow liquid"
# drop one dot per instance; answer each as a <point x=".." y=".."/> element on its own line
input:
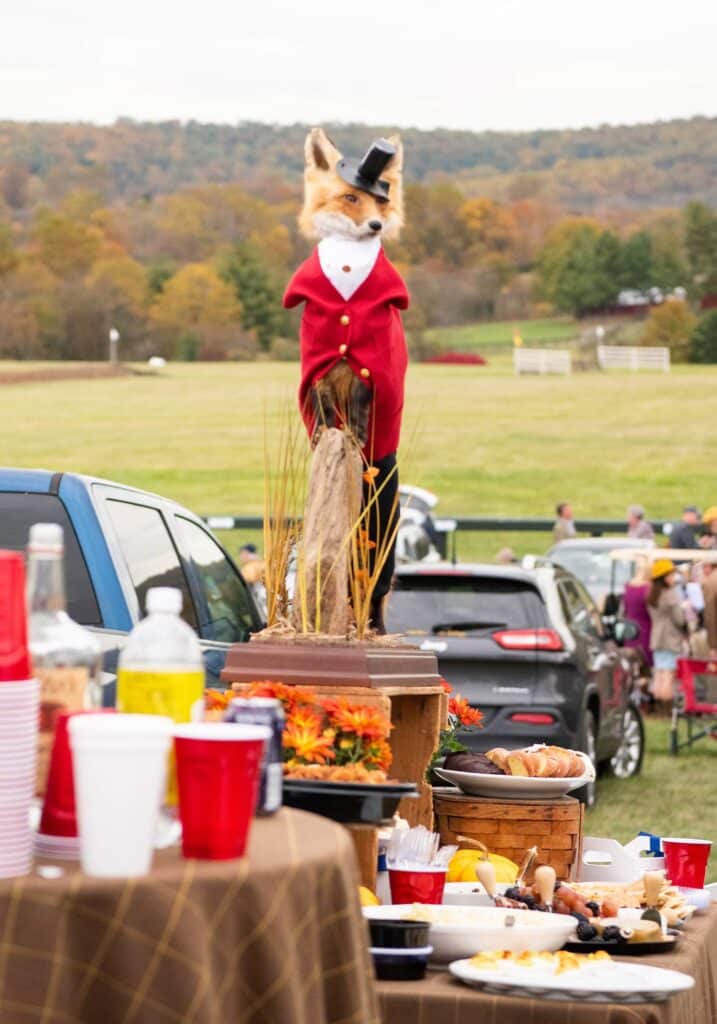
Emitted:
<point x="161" y="671"/>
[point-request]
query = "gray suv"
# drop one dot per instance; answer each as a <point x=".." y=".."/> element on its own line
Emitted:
<point x="531" y="650"/>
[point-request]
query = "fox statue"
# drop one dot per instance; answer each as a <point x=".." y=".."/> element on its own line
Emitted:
<point x="353" y="349"/>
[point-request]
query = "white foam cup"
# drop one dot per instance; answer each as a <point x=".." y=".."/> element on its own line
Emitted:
<point x="120" y="767"/>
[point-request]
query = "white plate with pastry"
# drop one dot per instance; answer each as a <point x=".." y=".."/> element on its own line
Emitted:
<point x="592" y="978"/>
<point x="536" y="771"/>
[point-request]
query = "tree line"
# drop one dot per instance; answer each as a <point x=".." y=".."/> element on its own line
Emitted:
<point x="199" y="273"/>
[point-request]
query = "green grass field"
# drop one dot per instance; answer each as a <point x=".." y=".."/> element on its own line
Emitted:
<point x="672" y="796"/>
<point x="489" y="336"/>
<point x="486" y="442"/>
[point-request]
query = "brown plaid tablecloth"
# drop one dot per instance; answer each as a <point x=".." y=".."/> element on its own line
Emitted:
<point x="276" y="938"/>
<point x="441" y="999"/>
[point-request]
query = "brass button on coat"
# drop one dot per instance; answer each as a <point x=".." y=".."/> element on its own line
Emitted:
<point x="345" y="320"/>
<point x="342" y="349"/>
<point x="365" y="372"/>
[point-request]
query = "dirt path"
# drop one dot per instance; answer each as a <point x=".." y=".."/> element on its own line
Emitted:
<point x="79" y="372"/>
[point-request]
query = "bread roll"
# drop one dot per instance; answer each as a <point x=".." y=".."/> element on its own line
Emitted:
<point x="499" y="757"/>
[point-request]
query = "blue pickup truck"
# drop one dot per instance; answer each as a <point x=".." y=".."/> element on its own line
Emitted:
<point x="119" y="542"/>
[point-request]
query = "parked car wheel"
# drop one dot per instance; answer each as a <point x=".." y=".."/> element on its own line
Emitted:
<point x="627" y="759"/>
<point x="588" y="744"/>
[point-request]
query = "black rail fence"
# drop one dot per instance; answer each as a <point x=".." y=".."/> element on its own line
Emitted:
<point x="447" y="527"/>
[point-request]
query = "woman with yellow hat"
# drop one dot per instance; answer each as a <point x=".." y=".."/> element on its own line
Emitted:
<point x="668" y="627"/>
<point x="709" y="521"/>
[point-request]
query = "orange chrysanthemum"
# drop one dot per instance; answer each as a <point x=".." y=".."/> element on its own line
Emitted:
<point x="370" y="474"/>
<point x="379" y="755"/>
<point x="461" y="709"/>
<point x="216" y="700"/>
<point x="290" y="696"/>
<point x="365" y="541"/>
<point x="446" y="686"/>
<point x="363" y="721"/>
<point x="309" y="744"/>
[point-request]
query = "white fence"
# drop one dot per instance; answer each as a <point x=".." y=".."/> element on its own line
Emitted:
<point x="541" y="360"/>
<point x="625" y="357"/>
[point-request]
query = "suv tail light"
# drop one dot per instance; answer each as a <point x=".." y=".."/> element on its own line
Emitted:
<point x="528" y="639"/>
<point x="533" y="718"/>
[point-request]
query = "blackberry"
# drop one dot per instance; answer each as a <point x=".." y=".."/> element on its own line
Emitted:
<point x="586" y="931"/>
<point x="593" y="907"/>
<point x="611" y="934"/>
<point x="529" y="901"/>
<point x="579" y="917"/>
<point x="513" y="893"/>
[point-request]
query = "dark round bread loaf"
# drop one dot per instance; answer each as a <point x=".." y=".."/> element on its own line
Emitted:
<point x="471" y="762"/>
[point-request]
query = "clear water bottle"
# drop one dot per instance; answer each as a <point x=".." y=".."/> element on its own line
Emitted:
<point x="161" y="671"/>
<point x="65" y="655"/>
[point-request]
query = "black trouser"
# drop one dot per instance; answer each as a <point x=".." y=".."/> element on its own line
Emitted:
<point x="382" y="518"/>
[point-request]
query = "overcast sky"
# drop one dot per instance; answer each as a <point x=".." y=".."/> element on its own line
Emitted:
<point x="502" y="64"/>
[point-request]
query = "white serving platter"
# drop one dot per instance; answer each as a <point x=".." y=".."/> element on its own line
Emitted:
<point x="596" y="982"/>
<point x="507" y="786"/>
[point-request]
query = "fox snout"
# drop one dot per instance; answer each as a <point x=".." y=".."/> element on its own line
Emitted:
<point x="375" y="225"/>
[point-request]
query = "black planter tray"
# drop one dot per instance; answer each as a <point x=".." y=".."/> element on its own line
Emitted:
<point x="665" y="945"/>
<point x="347" y="802"/>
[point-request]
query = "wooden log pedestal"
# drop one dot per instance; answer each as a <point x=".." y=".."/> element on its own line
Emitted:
<point x="510" y="827"/>
<point x="403" y="681"/>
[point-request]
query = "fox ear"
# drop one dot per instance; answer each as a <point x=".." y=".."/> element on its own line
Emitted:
<point x="395" y="165"/>
<point x="319" y="151"/>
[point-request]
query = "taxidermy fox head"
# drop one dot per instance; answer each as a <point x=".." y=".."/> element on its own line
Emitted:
<point x="334" y="208"/>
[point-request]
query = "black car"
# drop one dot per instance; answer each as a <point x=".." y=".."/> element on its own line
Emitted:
<point x="529" y="648"/>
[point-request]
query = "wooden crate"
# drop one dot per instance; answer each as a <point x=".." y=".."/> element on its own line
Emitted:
<point x="510" y="827"/>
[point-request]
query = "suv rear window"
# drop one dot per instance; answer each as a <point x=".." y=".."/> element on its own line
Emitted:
<point x="469" y="604"/>
<point x="18" y="512"/>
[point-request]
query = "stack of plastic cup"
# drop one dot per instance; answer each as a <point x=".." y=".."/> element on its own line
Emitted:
<point x="19" y="710"/>
<point x="58" y="835"/>
<point x="120" y="772"/>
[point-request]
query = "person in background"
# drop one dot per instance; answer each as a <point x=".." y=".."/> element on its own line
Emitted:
<point x="564" y="528"/>
<point x="709" y="613"/>
<point x="709" y="538"/>
<point x="635" y="608"/>
<point x="506" y="556"/>
<point x="668" y="624"/>
<point x="252" y="569"/>
<point x="637" y="525"/>
<point x="684" y="533"/>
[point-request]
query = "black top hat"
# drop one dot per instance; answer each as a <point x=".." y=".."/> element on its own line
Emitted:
<point x="365" y="175"/>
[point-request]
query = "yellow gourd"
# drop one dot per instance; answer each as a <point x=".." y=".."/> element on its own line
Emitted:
<point x="462" y="867"/>
<point x="367" y="898"/>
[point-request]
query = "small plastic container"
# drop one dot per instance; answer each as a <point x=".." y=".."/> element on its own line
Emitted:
<point x="400" y="964"/>
<point x="398" y="934"/>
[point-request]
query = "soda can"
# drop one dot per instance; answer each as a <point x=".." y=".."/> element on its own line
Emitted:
<point x="264" y="711"/>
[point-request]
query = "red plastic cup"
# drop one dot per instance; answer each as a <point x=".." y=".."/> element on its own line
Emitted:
<point x="417" y="885"/>
<point x="686" y="861"/>
<point x="14" y="651"/>
<point x="59" y="817"/>
<point x="218" y="768"/>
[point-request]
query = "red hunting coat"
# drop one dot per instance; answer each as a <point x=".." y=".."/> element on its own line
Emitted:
<point x="366" y="331"/>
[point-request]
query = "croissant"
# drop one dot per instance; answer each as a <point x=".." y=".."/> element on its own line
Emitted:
<point x="538" y="762"/>
<point x="499" y="757"/>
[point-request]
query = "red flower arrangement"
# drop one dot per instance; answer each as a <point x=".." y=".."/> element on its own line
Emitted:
<point x="324" y="737"/>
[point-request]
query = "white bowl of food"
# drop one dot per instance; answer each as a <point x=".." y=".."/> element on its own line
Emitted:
<point x="470" y="894"/>
<point x="461" y="931"/>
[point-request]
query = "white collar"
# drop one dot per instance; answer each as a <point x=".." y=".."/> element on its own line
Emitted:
<point x="335" y="254"/>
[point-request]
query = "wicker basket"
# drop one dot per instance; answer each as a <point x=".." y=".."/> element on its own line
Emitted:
<point x="510" y="827"/>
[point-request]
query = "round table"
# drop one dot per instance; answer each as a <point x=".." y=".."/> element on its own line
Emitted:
<point x="274" y="938"/>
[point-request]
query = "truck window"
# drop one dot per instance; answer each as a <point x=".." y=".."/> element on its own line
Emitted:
<point x="18" y="512"/>
<point x="228" y="605"/>
<point x="150" y="555"/>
